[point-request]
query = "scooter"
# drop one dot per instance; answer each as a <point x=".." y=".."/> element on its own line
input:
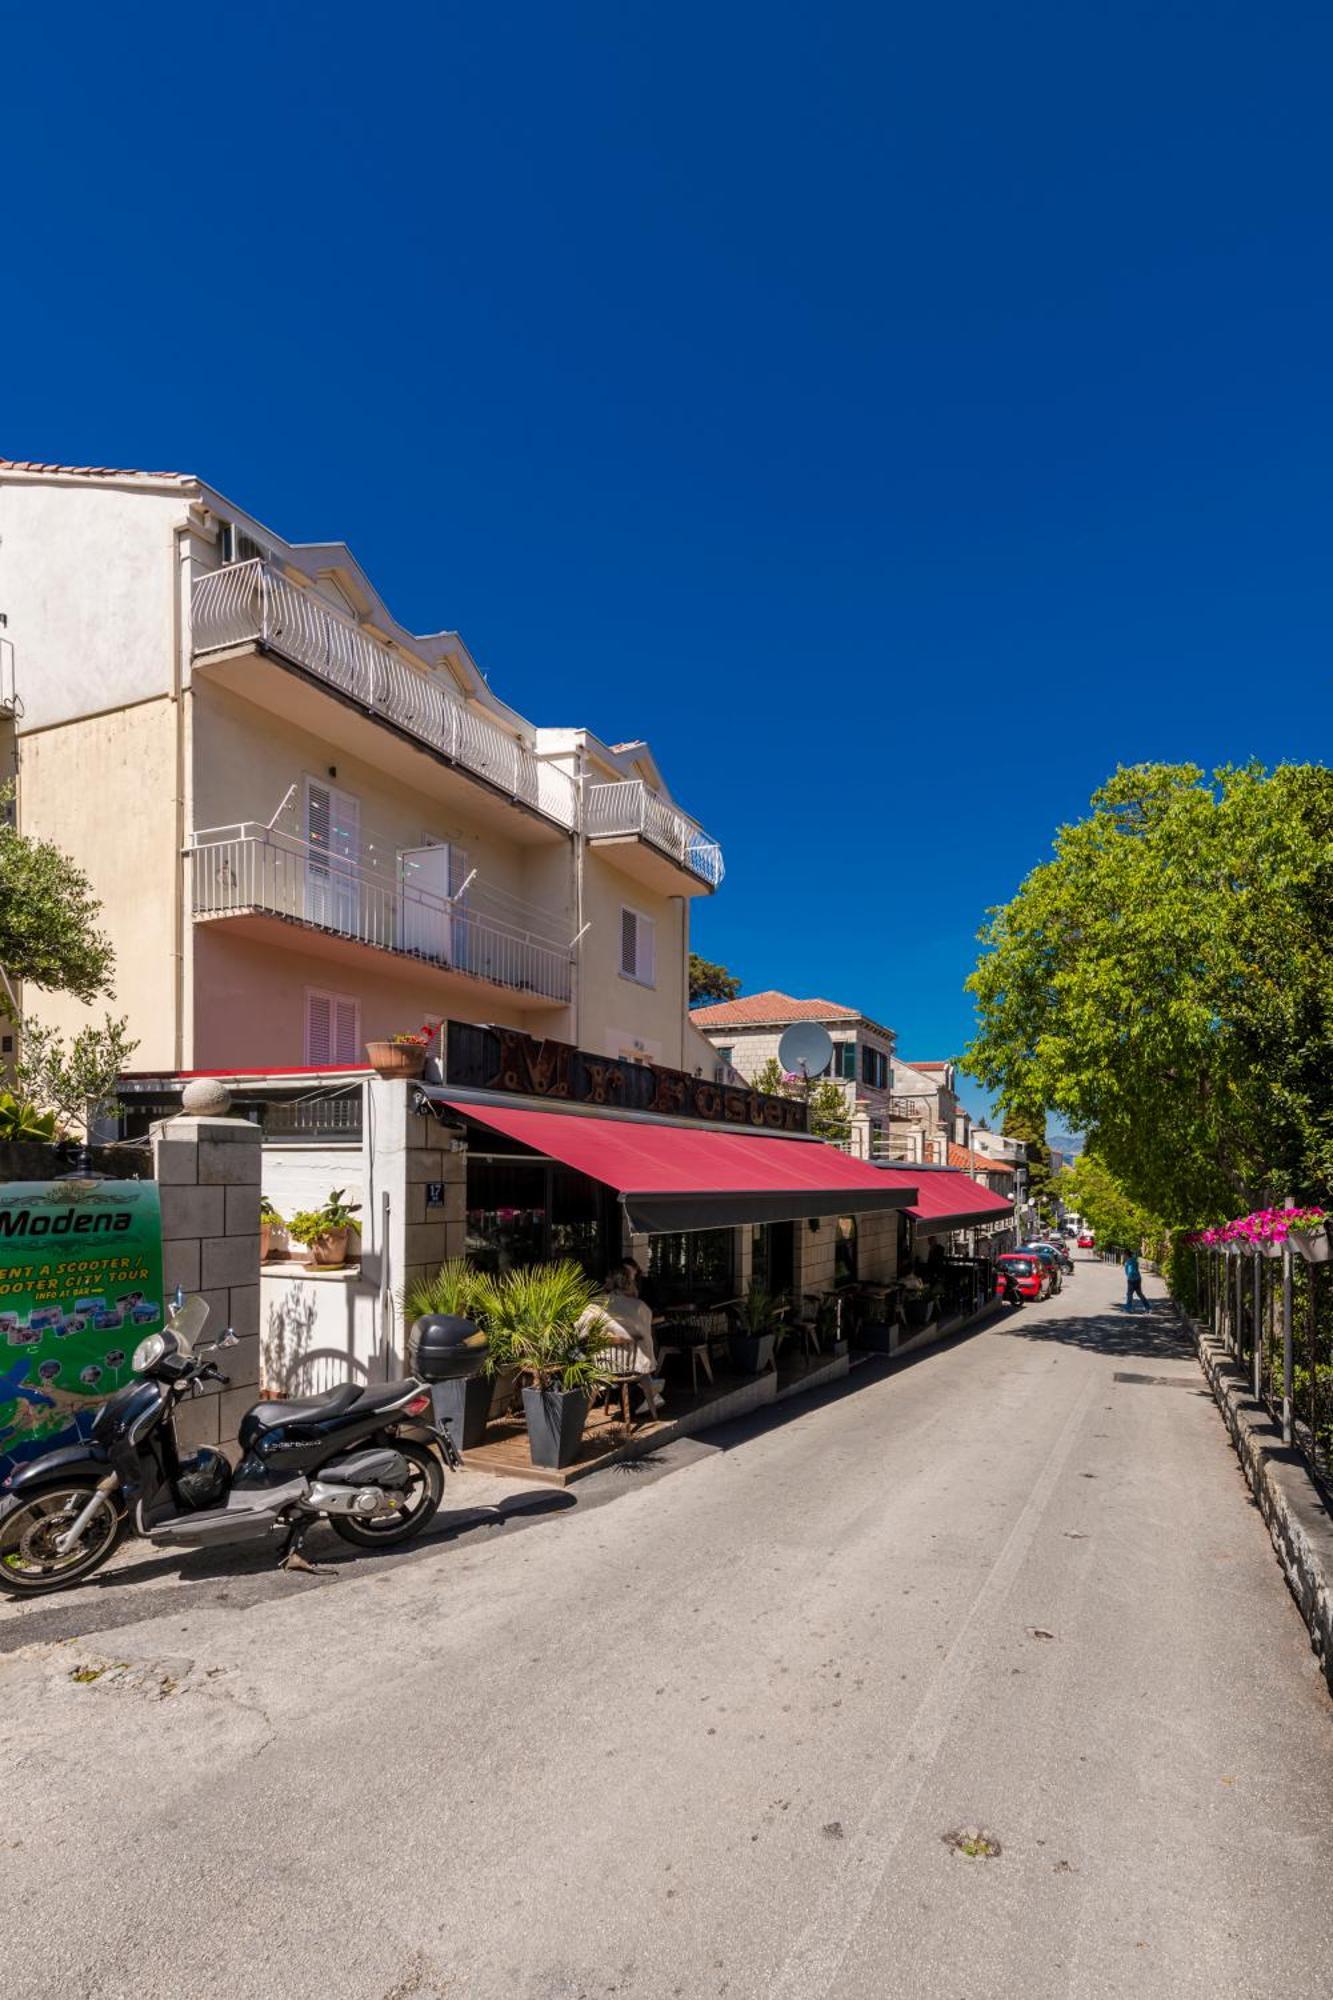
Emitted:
<point x="369" y="1461"/>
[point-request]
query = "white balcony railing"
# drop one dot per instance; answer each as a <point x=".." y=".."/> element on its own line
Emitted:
<point x="252" y="602"/>
<point x="249" y="870"/>
<point x="619" y="810"/>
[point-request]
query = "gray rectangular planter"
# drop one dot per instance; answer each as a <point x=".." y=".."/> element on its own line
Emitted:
<point x="555" y="1419"/>
<point x="465" y="1406"/>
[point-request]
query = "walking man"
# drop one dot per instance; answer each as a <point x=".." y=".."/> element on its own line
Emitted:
<point x="1134" y="1283"/>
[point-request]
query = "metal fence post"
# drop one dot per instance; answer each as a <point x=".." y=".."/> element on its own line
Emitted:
<point x="1258" y="1328"/>
<point x="1287" y="1370"/>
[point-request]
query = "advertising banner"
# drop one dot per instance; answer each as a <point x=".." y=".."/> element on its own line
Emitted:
<point x="80" y="1286"/>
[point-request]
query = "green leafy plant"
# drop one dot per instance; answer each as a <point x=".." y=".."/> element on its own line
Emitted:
<point x="269" y="1214"/>
<point x="311" y="1223"/>
<point x="48" y="916"/>
<point x="420" y="1038"/>
<point x="1305" y="1221"/>
<point x="23" y="1123"/>
<point x="458" y="1289"/>
<point x="532" y="1317"/>
<point x="78" y="1083"/>
<point x="759" y="1312"/>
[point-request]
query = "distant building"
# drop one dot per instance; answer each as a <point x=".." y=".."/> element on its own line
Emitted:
<point x="747" y="1033"/>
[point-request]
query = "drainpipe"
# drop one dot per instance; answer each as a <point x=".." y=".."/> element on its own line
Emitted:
<point x="685" y="972"/>
<point x="180" y="640"/>
<point x="580" y="838"/>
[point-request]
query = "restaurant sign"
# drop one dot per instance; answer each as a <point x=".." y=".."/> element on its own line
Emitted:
<point x="504" y="1059"/>
<point x="80" y="1286"/>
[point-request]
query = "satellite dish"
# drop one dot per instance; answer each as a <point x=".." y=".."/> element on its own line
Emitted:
<point x="806" y="1049"/>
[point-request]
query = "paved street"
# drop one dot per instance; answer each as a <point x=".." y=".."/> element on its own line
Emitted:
<point x="704" y="1728"/>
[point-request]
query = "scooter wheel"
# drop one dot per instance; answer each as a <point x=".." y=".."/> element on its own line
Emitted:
<point x="30" y="1562"/>
<point x="421" y="1497"/>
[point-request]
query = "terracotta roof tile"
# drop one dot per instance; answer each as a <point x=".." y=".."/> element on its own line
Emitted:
<point x="88" y="471"/>
<point x="969" y="1162"/>
<point x="762" y="1010"/>
<point x="927" y="1067"/>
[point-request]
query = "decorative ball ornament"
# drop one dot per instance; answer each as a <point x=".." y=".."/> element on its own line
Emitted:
<point x="205" y="1098"/>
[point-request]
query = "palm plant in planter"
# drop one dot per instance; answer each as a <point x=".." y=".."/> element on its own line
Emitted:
<point x="453" y="1299"/>
<point x="756" y="1323"/>
<point x="324" y="1231"/>
<point x="532" y="1316"/>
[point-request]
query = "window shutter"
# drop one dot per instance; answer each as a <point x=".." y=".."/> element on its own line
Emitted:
<point x="346" y="1032"/>
<point x="318" y="817"/>
<point x="647" y="930"/>
<point x="629" y="944"/>
<point x="318" y="1029"/>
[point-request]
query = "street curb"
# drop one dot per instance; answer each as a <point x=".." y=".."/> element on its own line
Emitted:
<point x="1297" y="1519"/>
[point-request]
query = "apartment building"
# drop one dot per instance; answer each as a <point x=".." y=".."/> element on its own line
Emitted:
<point x="928" y="1116"/>
<point x="308" y="826"/>
<point x="747" y="1033"/>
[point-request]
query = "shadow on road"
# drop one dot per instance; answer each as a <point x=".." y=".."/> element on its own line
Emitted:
<point x="243" y="1578"/>
<point x="1155" y="1335"/>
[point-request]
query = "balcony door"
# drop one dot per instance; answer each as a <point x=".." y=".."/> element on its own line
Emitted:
<point x="428" y="877"/>
<point x="333" y="851"/>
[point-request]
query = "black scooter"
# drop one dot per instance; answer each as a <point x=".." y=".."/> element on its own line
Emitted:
<point x="369" y="1461"/>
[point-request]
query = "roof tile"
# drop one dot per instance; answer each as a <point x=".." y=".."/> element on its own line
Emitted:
<point x="757" y="1010"/>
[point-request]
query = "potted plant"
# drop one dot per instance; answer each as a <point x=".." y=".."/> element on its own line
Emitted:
<point x="454" y="1295"/>
<point x="1307" y="1233"/>
<point x="324" y="1231"/>
<point x="755" y="1324"/>
<point x="403" y="1054"/>
<point x="271" y="1229"/>
<point x="533" y="1318"/>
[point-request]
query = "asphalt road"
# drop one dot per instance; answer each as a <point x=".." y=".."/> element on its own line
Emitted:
<point x="708" y="1729"/>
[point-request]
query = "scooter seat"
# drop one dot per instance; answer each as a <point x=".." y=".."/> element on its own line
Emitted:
<point x="331" y="1403"/>
<point x="382" y="1395"/>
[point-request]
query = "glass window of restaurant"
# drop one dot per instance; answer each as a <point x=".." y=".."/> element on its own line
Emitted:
<point x="522" y="1209"/>
<point x="844" y="1251"/>
<point x="691" y="1267"/>
<point x="773" y="1257"/>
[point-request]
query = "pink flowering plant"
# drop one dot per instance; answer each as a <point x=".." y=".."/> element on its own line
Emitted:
<point x="1263" y="1226"/>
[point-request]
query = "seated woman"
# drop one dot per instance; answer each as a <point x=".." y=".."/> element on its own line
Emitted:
<point x="626" y="1323"/>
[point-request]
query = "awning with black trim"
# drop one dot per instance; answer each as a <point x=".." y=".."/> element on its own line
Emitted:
<point x="672" y="1177"/>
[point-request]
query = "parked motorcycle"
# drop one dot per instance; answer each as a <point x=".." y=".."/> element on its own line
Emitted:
<point x="369" y="1461"/>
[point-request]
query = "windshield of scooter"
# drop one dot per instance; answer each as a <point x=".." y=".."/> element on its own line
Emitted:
<point x="187" y="1322"/>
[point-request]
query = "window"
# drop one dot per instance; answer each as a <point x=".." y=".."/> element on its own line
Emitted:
<point x="725" y="1055"/>
<point x="333" y="842"/>
<point x="844" y="1061"/>
<point x="637" y="947"/>
<point x="697" y="1268"/>
<point x="332" y="1030"/>
<point x="874" y="1068"/>
<point x="844" y="1251"/>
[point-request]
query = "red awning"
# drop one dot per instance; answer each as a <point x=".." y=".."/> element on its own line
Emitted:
<point x="686" y="1177"/>
<point x="947" y="1200"/>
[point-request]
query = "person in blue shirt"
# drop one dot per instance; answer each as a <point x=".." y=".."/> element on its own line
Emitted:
<point x="1134" y="1283"/>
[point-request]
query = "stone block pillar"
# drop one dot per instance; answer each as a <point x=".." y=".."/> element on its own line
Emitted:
<point x="208" y="1174"/>
<point x="415" y="1204"/>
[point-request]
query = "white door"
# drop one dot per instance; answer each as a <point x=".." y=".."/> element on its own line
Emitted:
<point x="333" y="838"/>
<point x="425" y="875"/>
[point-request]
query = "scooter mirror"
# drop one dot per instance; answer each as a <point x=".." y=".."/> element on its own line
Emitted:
<point x="229" y="1338"/>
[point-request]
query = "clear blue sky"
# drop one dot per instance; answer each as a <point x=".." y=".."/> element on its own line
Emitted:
<point x="898" y="415"/>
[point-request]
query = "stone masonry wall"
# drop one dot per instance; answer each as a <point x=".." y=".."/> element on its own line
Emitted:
<point x="208" y="1171"/>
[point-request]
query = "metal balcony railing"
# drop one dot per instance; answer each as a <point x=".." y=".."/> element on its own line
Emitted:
<point x="253" y="603"/>
<point x="249" y="869"/>
<point x="618" y="810"/>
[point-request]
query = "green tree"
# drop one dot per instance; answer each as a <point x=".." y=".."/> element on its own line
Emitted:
<point x="77" y="1083"/>
<point x="830" y="1113"/>
<point x="710" y="982"/>
<point x="1092" y="1191"/>
<point x="1165" y="983"/>
<point x="48" y="921"/>
<point x="1028" y="1126"/>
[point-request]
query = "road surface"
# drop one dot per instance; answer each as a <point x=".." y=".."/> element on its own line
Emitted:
<point x="710" y="1727"/>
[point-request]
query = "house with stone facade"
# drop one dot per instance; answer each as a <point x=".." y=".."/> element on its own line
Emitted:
<point x="747" y="1034"/>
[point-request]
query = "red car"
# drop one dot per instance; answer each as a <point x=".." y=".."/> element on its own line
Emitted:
<point x="1085" y="1241"/>
<point x="1031" y="1274"/>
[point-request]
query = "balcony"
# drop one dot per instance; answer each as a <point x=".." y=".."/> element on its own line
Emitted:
<point x="252" y="604"/>
<point x="651" y="839"/>
<point x="252" y="879"/>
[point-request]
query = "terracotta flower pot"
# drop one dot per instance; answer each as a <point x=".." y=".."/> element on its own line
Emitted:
<point x="328" y="1250"/>
<point x="265" y="1241"/>
<point x="396" y="1058"/>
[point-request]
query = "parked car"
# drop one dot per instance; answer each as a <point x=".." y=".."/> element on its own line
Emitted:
<point x="1028" y="1274"/>
<point x="1085" y="1240"/>
<point x="1050" y="1257"/>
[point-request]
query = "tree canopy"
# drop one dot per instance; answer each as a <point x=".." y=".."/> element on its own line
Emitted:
<point x="710" y="982"/>
<point x="48" y="921"/>
<point x="830" y="1112"/>
<point x="1165" y="983"/>
<point x="1092" y="1192"/>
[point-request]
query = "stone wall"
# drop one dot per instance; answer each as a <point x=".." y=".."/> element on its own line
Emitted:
<point x="208" y="1170"/>
<point x="408" y="1155"/>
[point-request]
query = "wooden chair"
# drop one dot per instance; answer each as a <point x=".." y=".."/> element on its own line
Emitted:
<point x="614" y="1362"/>
<point x="686" y="1336"/>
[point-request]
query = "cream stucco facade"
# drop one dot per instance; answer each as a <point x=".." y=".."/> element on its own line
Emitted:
<point x="308" y="827"/>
